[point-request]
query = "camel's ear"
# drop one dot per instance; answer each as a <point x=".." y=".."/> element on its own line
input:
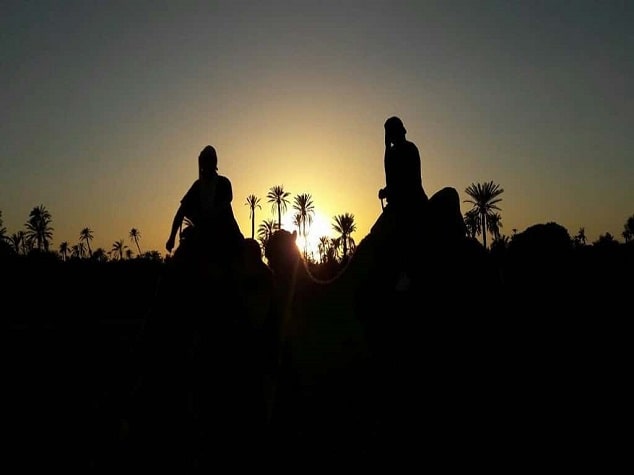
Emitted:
<point x="294" y="235"/>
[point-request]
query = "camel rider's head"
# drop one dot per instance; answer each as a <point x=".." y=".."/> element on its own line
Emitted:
<point x="207" y="162"/>
<point x="394" y="130"/>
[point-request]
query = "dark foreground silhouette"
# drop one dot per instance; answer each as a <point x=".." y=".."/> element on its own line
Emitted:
<point x="477" y="355"/>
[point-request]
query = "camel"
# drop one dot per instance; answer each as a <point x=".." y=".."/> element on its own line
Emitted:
<point x="341" y="353"/>
<point x="354" y="346"/>
<point x="324" y="353"/>
<point x="208" y="354"/>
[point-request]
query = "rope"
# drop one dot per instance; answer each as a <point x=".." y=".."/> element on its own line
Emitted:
<point x="340" y="272"/>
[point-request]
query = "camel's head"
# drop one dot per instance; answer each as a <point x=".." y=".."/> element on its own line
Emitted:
<point x="282" y="252"/>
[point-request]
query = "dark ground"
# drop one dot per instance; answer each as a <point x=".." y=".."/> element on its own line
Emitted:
<point x="537" y="373"/>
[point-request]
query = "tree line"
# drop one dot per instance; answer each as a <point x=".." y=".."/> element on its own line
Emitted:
<point x="483" y="217"/>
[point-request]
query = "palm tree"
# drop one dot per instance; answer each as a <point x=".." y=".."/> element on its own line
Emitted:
<point x="303" y="204"/>
<point x="322" y="246"/>
<point x="580" y="238"/>
<point x="484" y="198"/>
<point x="6" y="246"/>
<point x="606" y="241"/>
<point x="85" y="236"/>
<point x="628" y="231"/>
<point x="100" y="255"/>
<point x="279" y="199"/>
<point x="118" y="249"/>
<point x="297" y="222"/>
<point x="472" y="223"/>
<point x="77" y="251"/>
<point x="3" y="230"/>
<point x="64" y="250"/>
<point x="494" y="223"/>
<point x="152" y="256"/>
<point x="18" y="241"/>
<point x="253" y="202"/>
<point x="135" y="235"/>
<point x="332" y="253"/>
<point x="38" y="228"/>
<point x="500" y="243"/>
<point x="345" y="226"/>
<point x="266" y="228"/>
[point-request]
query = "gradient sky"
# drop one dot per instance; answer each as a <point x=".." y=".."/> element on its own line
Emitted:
<point x="106" y="105"/>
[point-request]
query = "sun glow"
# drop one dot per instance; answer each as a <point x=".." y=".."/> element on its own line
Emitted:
<point x="320" y="226"/>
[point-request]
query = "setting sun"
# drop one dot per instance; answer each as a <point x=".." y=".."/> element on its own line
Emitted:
<point x="320" y="226"/>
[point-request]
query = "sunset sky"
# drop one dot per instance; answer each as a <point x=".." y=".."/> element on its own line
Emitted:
<point x="106" y="105"/>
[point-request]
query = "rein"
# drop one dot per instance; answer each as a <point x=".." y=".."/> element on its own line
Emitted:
<point x="321" y="281"/>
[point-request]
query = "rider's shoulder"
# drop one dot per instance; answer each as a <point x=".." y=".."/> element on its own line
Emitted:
<point x="224" y="180"/>
<point x="410" y="146"/>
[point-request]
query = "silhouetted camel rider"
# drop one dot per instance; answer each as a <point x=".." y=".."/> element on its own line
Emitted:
<point x="214" y="235"/>
<point x="403" y="182"/>
<point x="410" y="216"/>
